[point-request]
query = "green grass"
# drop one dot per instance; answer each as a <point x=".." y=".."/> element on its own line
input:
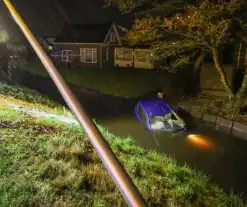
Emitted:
<point x="23" y="96"/>
<point x="26" y="94"/>
<point x="47" y="163"/>
<point x="114" y="81"/>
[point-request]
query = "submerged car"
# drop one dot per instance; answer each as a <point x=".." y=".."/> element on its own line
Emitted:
<point x="156" y="114"/>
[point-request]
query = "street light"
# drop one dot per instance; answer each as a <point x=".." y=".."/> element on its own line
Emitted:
<point x="4" y="36"/>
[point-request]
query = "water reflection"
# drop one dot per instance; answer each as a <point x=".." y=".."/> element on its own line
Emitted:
<point x="215" y="153"/>
<point x="201" y="142"/>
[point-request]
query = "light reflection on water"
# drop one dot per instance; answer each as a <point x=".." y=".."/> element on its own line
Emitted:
<point x="201" y="142"/>
<point x="214" y="153"/>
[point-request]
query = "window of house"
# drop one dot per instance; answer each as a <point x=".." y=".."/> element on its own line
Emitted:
<point x="119" y="55"/>
<point x="142" y="56"/>
<point x="112" y="37"/>
<point x="128" y="55"/>
<point x="66" y="56"/>
<point x="88" y="55"/>
<point x="125" y="55"/>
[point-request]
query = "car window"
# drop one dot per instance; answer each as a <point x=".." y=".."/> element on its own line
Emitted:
<point x="173" y="117"/>
<point x="141" y="113"/>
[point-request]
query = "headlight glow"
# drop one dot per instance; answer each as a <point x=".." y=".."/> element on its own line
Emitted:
<point x="201" y="141"/>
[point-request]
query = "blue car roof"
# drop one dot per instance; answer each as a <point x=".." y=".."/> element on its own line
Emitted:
<point x="155" y="107"/>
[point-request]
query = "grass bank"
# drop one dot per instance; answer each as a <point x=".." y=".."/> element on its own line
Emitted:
<point x="47" y="163"/>
<point x="114" y="81"/>
<point x="26" y="97"/>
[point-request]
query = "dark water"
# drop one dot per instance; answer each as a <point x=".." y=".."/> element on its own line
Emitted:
<point x="215" y="153"/>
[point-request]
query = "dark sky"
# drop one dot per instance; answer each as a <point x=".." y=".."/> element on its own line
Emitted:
<point x="44" y="18"/>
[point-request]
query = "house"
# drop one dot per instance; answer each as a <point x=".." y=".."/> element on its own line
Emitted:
<point x="134" y="57"/>
<point x="86" y="45"/>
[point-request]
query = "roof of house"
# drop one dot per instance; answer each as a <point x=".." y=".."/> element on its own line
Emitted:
<point x="45" y="40"/>
<point x="84" y="33"/>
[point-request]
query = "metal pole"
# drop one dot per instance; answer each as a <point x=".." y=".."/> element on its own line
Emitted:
<point x="107" y="156"/>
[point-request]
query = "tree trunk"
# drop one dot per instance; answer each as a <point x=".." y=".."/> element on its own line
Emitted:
<point x="243" y="89"/>
<point x="233" y="106"/>
<point x="241" y="96"/>
<point x="223" y="77"/>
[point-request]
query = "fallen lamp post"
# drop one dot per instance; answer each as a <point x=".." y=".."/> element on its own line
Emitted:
<point x="104" y="151"/>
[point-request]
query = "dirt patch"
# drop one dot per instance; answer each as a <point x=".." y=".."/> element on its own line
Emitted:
<point x="241" y="119"/>
<point x="41" y="128"/>
<point x="8" y="124"/>
<point x="210" y="105"/>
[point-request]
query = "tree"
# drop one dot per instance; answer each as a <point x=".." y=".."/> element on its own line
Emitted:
<point x="142" y="7"/>
<point x="197" y="30"/>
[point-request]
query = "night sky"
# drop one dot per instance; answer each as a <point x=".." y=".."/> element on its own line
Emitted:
<point x="44" y="19"/>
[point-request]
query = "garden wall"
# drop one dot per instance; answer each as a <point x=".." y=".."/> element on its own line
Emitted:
<point x="227" y="126"/>
<point x="210" y="83"/>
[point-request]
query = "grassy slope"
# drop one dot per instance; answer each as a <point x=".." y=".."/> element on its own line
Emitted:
<point x="45" y="163"/>
<point x="118" y="82"/>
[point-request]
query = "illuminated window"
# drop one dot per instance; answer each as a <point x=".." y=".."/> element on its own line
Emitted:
<point x="125" y="55"/>
<point x="88" y="55"/>
<point x="119" y="55"/>
<point x="143" y="56"/>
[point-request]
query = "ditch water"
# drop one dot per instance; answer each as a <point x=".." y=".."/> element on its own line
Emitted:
<point x="219" y="155"/>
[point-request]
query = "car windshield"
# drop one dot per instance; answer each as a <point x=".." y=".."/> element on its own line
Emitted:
<point x="157" y="118"/>
<point x="166" y="122"/>
<point x="159" y="122"/>
<point x="164" y="118"/>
